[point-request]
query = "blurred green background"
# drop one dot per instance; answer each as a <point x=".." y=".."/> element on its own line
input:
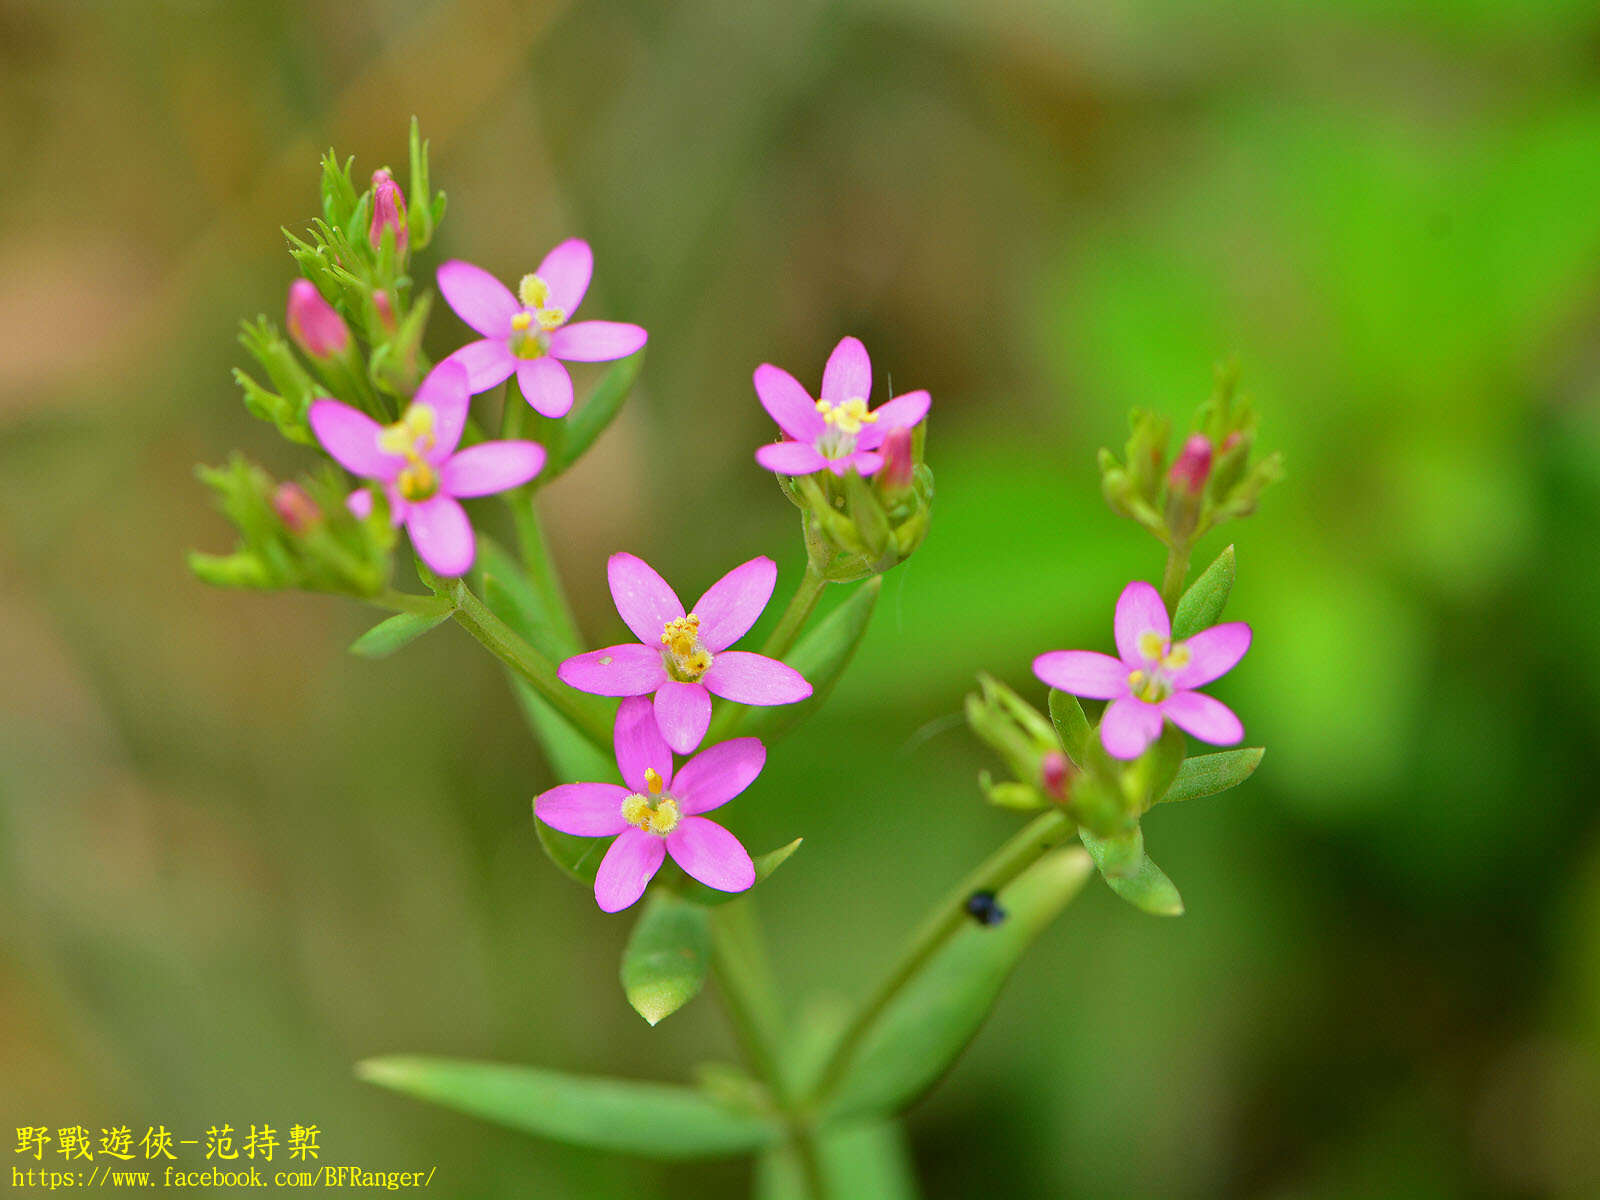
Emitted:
<point x="234" y="859"/>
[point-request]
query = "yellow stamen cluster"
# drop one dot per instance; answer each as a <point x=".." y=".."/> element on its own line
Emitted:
<point x="690" y="659"/>
<point x="653" y="813"/>
<point x="535" y="296"/>
<point x="1155" y="685"/>
<point x="412" y="437"/>
<point x="848" y="417"/>
<point x="1157" y="649"/>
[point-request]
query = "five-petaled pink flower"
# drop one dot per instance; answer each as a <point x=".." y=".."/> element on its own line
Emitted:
<point x="838" y="431"/>
<point x="683" y="658"/>
<point x="1155" y="678"/>
<point x="527" y="334"/>
<point x="658" y="813"/>
<point x="421" y="471"/>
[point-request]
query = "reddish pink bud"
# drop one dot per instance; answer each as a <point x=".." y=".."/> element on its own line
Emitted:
<point x="388" y="210"/>
<point x="313" y="324"/>
<point x="297" y="510"/>
<point x="1055" y="773"/>
<point x="1192" y="467"/>
<point x="385" y="307"/>
<point x="1232" y="440"/>
<point x="897" y="463"/>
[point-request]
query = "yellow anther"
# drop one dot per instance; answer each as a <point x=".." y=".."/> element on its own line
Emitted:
<point x="411" y="436"/>
<point x="680" y="636"/>
<point x="1136" y="681"/>
<point x="1152" y="646"/>
<point x="551" y="318"/>
<point x="653" y="816"/>
<point x="521" y="321"/>
<point x="533" y="292"/>
<point x="417" y="480"/>
<point x="1177" y="658"/>
<point x="848" y="417"/>
<point x="652" y="781"/>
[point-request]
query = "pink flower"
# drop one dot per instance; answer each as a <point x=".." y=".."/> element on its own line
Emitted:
<point x="315" y="326"/>
<point x="527" y="334"/>
<point x="658" y="814"/>
<point x="837" y="431"/>
<point x="682" y="659"/>
<point x="388" y="211"/>
<point x="1154" y="678"/>
<point x="416" y="461"/>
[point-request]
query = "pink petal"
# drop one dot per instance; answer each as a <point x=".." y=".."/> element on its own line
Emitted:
<point x="491" y="467"/>
<point x="487" y="364"/>
<point x="546" y="385"/>
<point x="790" y="458"/>
<point x="848" y="375"/>
<point x="584" y="809"/>
<point x="359" y="502"/>
<point x="1129" y="726"/>
<point x="1083" y="673"/>
<point x="1139" y="611"/>
<point x="643" y="599"/>
<point x="596" y="341"/>
<point x="789" y="404"/>
<point x="567" y="270"/>
<point x="749" y="678"/>
<point x="445" y="391"/>
<point x="714" y="776"/>
<point x="866" y="463"/>
<point x="900" y="413"/>
<point x="1207" y="719"/>
<point x="709" y="853"/>
<point x="351" y="437"/>
<point x="683" y="714"/>
<point x="627" y="869"/>
<point x="477" y="297"/>
<point x="442" y="535"/>
<point x="1212" y="654"/>
<point x="732" y="604"/>
<point x="639" y="744"/>
<point x="626" y="670"/>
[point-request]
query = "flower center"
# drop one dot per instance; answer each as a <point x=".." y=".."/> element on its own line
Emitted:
<point x="530" y="328"/>
<point x="650" y="810"/>
<point x="412" y="437"/>
<point x="1153" y="683"/>
<point x="844" y="421"/>
<point x="685" y="658"/>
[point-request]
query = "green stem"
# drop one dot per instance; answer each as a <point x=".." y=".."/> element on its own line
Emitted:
<point x="1041" y="835"/>
<point x="1177" y="571"/>
<point x="541" y="566"/>
<point x="473" y="615"/>
<point x="794" y="617"/>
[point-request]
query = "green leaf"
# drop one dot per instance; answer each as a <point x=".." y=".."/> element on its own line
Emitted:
<point x="863" y="1159"/>
<point x="821" y="656"/>
<point x="400" y="630"/>
<point x="591" y="418"/>
<point x="1131" y="874"/>
<point x="1072" y="727"/>
<point x="578" y="857"/>
<point x="1153" y="773"/>
<point x="765" y="865"/>
<point x="1208" y="774"/>
<point x="1201" y="606"/>
<point x="653" y="1120"/>
<point x="939" y="1011"/>
<point x="668" y="954"/>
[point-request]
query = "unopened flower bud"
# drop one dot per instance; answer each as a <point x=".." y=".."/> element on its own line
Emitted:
<point x="1055" y="774"/>
<point x="1192" y="467"/>
<point x="315" y="326"/>
<point x="295" y="508"/>
<point x="898" y="468"/>
<point x="388" y="210"/>
<point x="385" y="309"/>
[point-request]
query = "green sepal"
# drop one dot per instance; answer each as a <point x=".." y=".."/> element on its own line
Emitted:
<point x="939" y="1011"/>
<point x="620" y="1116"/>
<point x="1208" y="774"/>
<point x="668" y="954"/>
<point x="398" y="365"/>
<point x="1147" y="779"/>
<point x="1131" y="873"/>
<point x="338" y="189"/>
<point x="866" y="512"/>
<point x="400" y="630"/>
<point x="591" y="418"/>
<point x="821" y="656"/>
<point x="765" y="864"/>
<point x="1071" y="726"/>
<point x="1201" y="605"/>
<point x="295" y="387"/>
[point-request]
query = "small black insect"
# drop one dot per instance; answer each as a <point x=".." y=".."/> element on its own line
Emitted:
<point x="982" y="908"/>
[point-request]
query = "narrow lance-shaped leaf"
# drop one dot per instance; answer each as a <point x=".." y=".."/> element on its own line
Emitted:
<point x="1208" y="774"/>
<point x="822" y="656"/>
<point x="921" y="1032"/>
<point x="668" y="954"/>
<point x="1131" y="874"/>
<point x="1072" y="727"/>
<point x="400" y="630"/>
<point x="1201" y="606"/>
<point x="594" y="414"/>
<point x="652" y="1120"/>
